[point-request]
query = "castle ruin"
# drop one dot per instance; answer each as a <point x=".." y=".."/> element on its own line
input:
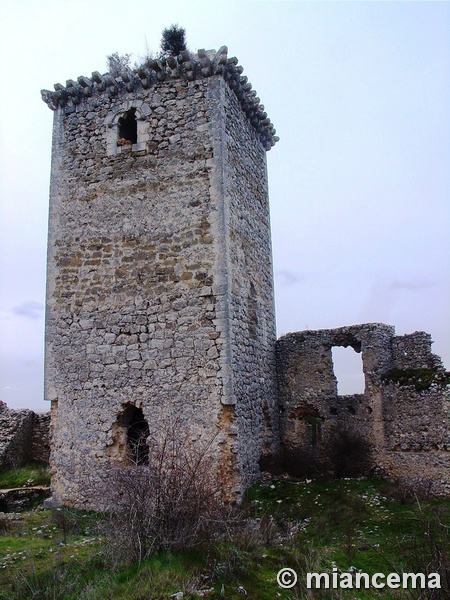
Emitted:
<point x="160" y="289"/>
<point x="160" y="294"/>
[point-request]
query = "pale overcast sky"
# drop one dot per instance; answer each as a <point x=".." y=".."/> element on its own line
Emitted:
<point x="359" y="93"/>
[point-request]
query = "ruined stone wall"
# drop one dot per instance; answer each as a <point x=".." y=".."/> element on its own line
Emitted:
<point x="40" y="439"/>
<point x="417" y="429"/>
<point x="252" y="318"/>
<point x="402" y="416"/>
<point x="312" y="412"/>
<point x="16" y="428"/>
<point x="142" y="307"/>
<point x="24" y="436"/>
<point x="413" y="351"/>
<point x="417" y="414"/>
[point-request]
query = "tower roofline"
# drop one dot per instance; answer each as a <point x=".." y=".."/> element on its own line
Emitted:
<point x="187" y="66"/>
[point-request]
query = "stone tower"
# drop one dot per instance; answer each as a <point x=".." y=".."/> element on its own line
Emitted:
<point x="159" y="287"/>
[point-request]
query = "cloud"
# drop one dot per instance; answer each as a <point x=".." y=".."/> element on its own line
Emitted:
<point x="385" y="296"/>
<point x="30" y="310"/>
<point x="286" y="278"/>
<point x="411" y="286"/>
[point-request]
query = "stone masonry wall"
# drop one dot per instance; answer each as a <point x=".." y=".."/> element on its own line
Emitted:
<point x="311" y="411"/>
<point x="143" y="285"/>
<point x="40" y="439"/>
<point x="16" y="428"/>
<point x="251" y="301"/>
<point x="402" y="416"/>
<point x="24" y="436"/>
<point x="413" y="351"/>
<point x="417" y="415"/>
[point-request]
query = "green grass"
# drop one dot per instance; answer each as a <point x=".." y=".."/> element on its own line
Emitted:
<point x="288" y="523"/>
<point x="28" y="475"/>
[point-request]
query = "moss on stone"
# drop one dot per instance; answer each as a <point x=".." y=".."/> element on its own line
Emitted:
<point x="421" y="379"/>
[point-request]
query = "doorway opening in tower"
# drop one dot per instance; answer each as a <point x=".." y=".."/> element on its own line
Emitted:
<point x="136" y="431"/>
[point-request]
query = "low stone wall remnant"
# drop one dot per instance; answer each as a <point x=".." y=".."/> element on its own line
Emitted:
<point x="24" y="436"/>
<point x="399" y="426"/>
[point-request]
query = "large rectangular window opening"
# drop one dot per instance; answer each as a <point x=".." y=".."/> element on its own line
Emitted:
<point x="348" y="370"/>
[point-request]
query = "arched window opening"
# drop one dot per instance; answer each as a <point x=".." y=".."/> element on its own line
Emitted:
<point x="348" y="370"/>
<point x="315" y="428"/>
<point x="128" y="128"/>
<point x="137" y="432"/>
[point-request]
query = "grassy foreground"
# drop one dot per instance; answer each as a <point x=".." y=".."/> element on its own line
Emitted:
<point x="305" y="525"/>
<point x="26" y="476"/>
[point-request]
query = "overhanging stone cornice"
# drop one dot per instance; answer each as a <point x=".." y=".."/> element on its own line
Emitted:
<point x="187" y="66"/>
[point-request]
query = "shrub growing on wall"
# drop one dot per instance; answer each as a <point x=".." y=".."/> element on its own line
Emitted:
<point x="117" y="63"/>
<point x="173" y="40"/>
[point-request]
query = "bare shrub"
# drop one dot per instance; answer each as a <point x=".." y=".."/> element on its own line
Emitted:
<point x="428" y="549"/>
<point x="57" y="582"/>
<point x="407" y="491"/>
<point x="171" y="503"/>
<point x="227" y="563"/>
<point x="117" y="63"/>
<point x="5" y="525"/>
<point x="249" y="533"/>
<point x="68" y="521"/>
<point x="145" y="59"/>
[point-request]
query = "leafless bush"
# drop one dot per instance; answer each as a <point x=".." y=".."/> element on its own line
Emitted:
<point x="250" y="533"/>
<point x="57" y="582"/>
<point x="428" y="549"/>
<point x="5" y="525"/>
<point x="68" y="521"/>
<point x="117" y="63"/>
<point x="227" y="562"/>
<point x="171" y="503"/>
<point x="407" y="491"/>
